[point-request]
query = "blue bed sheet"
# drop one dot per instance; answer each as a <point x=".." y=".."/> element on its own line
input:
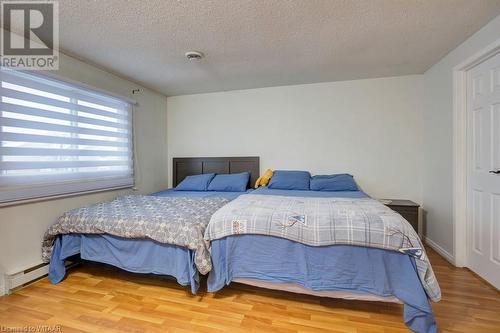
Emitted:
<point x="134" y="255"/>
<point x="340" y="267"/>
<point x="312" y="194"/>
<point x="199" y="194"/>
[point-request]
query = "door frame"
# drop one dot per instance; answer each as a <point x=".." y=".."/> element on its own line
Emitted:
<point x="460" y="220"/>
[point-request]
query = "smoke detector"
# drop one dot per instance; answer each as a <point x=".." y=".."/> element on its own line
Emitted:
<point x="194" y="55"/>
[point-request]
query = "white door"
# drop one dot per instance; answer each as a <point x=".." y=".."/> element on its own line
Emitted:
<point x="483" y="181"/>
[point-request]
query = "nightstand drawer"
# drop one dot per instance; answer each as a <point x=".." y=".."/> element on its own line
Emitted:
<point x="411" y="217"/>
<point x="407" y="209"/>
<point x="407" y="215"/>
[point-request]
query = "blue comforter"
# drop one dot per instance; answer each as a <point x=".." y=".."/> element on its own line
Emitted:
<point x="199" y="194"/>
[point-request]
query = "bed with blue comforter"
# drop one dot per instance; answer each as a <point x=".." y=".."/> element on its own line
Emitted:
<point x="249" y="254"/>
<point x="139" y="255"/>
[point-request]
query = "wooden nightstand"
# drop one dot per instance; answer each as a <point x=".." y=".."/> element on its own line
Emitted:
<point x="407" y="208"/>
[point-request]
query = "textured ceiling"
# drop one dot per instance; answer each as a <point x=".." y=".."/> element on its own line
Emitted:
<point x="258" y="43"/>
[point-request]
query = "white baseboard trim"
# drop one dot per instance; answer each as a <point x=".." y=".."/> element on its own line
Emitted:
<point x="442" y="252"/>
<point x="2" y="286"/>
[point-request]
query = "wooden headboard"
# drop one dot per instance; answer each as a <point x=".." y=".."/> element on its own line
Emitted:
<point x="188" y="166"/>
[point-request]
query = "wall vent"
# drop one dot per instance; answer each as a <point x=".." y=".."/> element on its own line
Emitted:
<point x="27" y="276"/>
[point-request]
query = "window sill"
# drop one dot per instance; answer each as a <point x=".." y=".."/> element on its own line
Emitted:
<point x="62" y="196"/>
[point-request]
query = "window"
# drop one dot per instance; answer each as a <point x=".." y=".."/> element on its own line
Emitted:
<point x="59" y="138"/>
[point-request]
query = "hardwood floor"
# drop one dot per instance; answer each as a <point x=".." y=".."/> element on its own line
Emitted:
<point x="98" y="298"/>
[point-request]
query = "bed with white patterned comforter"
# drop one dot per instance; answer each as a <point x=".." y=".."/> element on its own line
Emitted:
<point x="322" y="222"/>
<point x="178" y="221"/>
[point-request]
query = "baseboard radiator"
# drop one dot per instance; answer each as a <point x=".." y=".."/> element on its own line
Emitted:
<point x="16" y="280"/>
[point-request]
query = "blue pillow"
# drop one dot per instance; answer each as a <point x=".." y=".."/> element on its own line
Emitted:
<point x="339" y="182"/>
<point x="195" y="183"/>
<point x="290" y="180"/>
<point x="235" y="182"/>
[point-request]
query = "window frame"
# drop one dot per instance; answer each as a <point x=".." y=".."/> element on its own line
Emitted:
<point x="77" y="183"/>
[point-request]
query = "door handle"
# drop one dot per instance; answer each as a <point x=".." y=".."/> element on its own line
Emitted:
<point x="496" y="172"/>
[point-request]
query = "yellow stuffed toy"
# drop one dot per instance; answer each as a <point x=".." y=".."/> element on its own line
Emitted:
<point x="264" y="179"/>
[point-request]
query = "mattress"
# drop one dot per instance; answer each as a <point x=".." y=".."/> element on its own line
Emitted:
<point x="298" y="289"/>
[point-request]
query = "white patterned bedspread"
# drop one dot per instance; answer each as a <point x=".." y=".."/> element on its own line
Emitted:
<point x="324" y="221"/>
<point x="177" y="221"/>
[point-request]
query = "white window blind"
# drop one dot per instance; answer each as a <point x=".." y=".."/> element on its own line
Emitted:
<point x="58" y="138"/>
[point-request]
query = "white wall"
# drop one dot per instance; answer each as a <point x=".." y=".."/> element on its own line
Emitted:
<point x="22" y="226"/>
<point x="370" y="128"/>
<point x="437" y="175"/>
